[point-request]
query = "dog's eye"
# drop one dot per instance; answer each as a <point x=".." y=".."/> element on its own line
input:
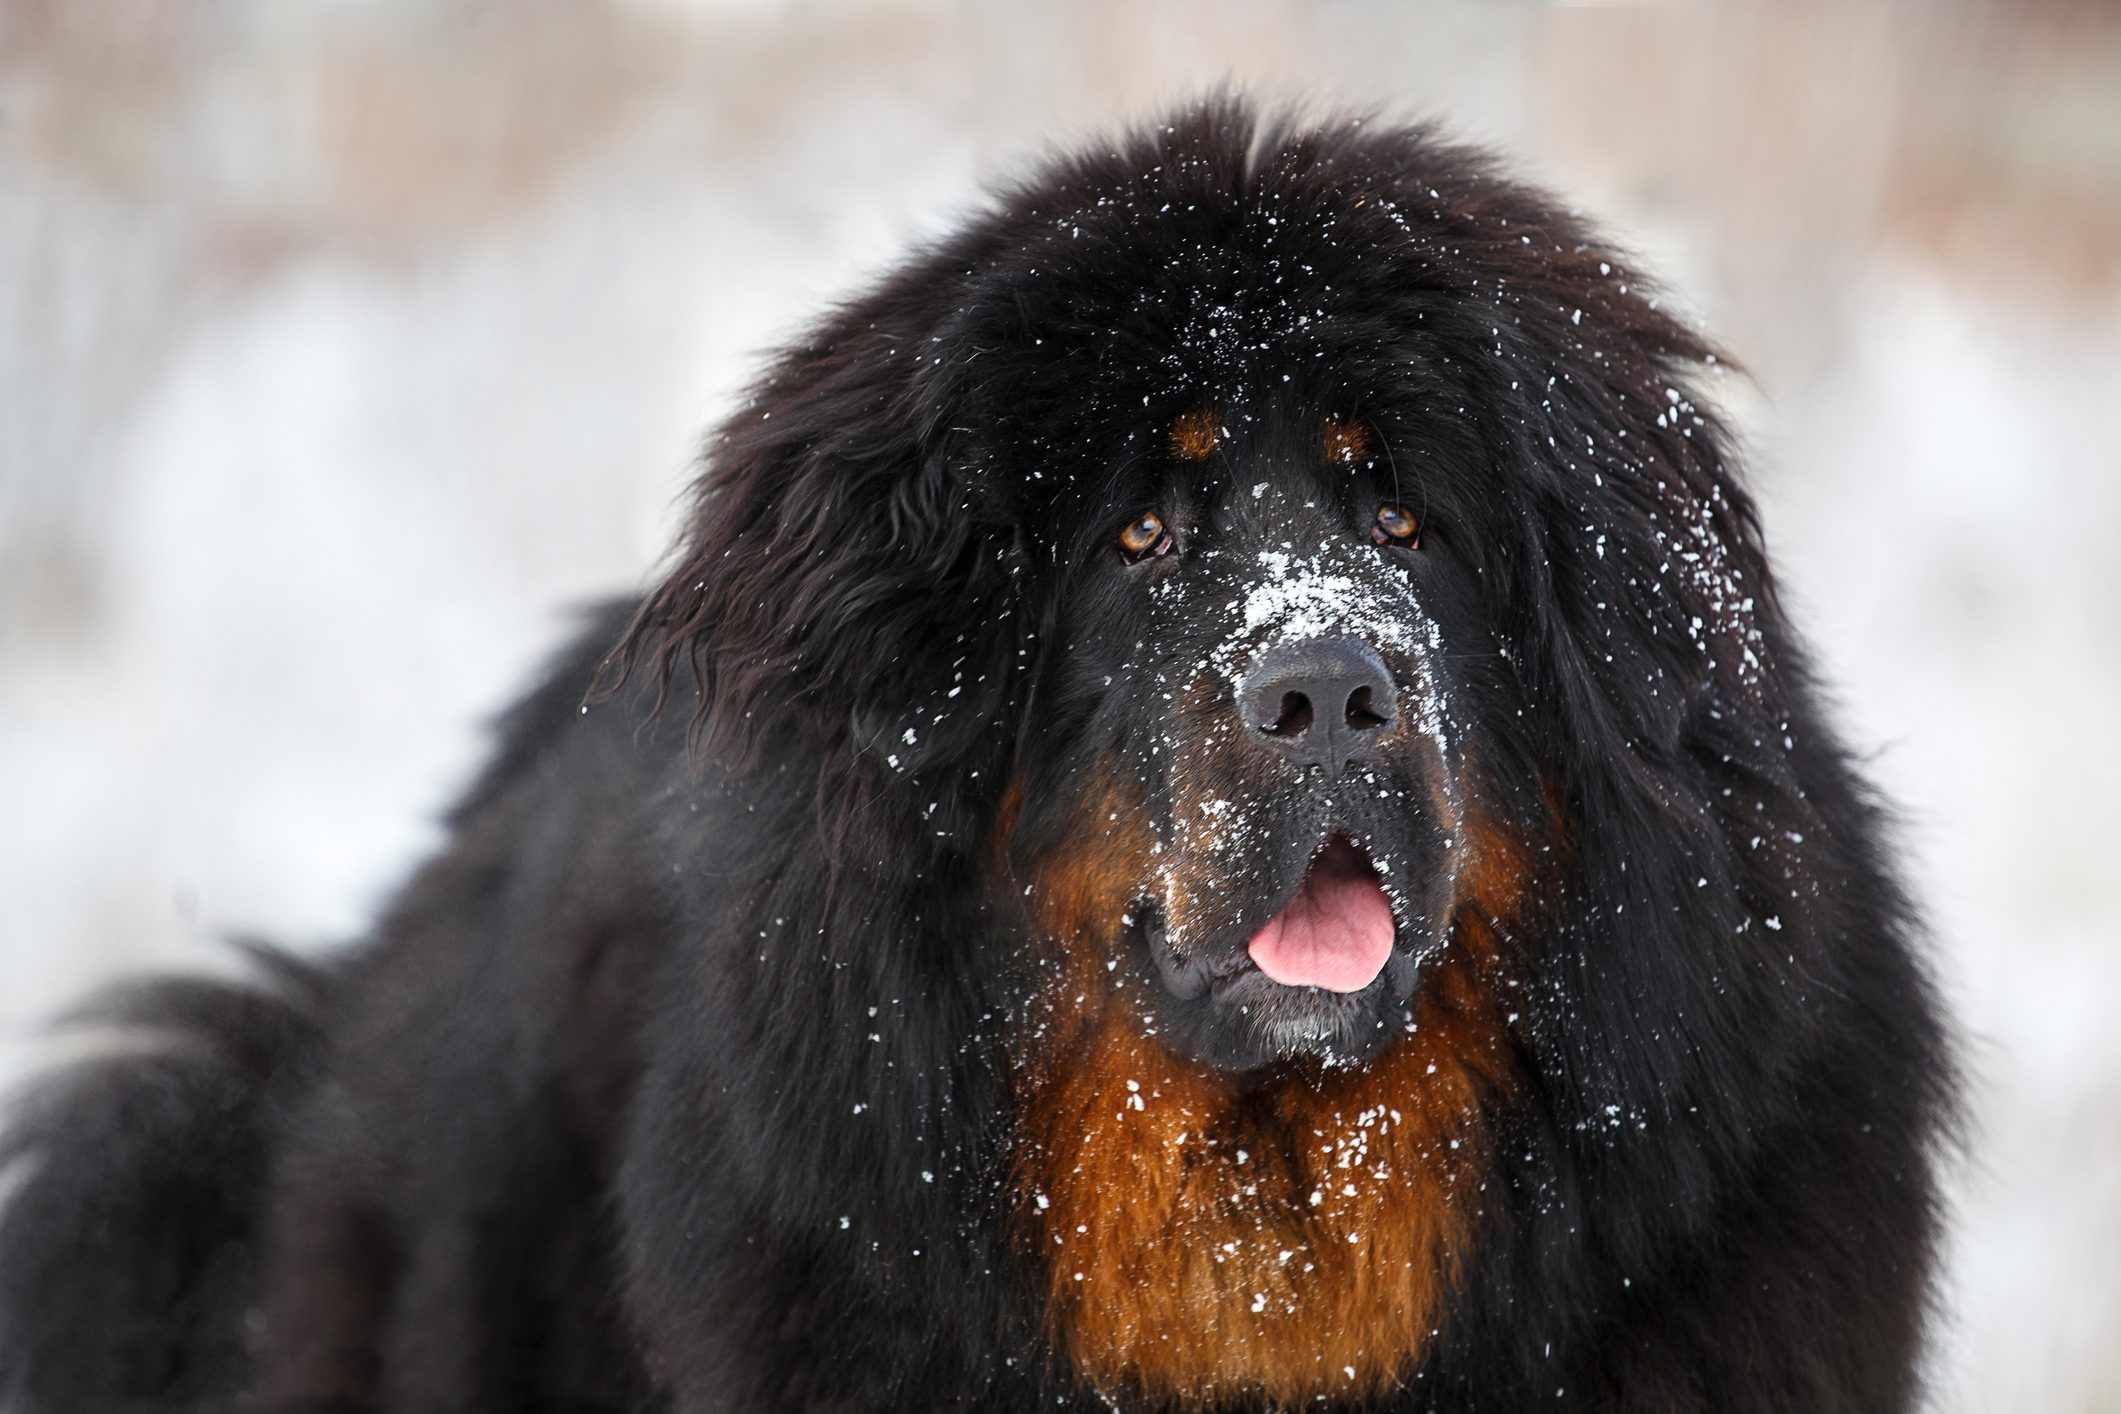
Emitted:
<point x="1144" y="538"/>
<point x="1395" y="525"/>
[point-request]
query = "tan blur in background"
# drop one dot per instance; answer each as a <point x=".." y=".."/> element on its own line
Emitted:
<point x="345" y="346"/>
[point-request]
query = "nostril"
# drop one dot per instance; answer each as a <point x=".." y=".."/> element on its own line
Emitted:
<point x="1320" y="702"/>
<point x="1294" y="718"/>
<point x="1362" y="715"/>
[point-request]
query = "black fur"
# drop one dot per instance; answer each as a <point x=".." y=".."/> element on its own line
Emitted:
<point x="683" y="1079"/>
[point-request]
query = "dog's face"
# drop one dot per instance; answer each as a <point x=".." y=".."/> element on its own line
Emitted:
<point x="1262" y="647"/>
<point x="1253" y="508"/>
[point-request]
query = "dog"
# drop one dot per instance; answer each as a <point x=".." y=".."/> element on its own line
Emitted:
<point x="1215" y="810"/>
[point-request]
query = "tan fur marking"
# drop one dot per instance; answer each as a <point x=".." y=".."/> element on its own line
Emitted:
<point x="1196" y="436"/>
<point x="1082" y="895"/>
<point x="1006" y="815"/>
<point x="1345" y="443"/>
<point x="1290" y="1241"/>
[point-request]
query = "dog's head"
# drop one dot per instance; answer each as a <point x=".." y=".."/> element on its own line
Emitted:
<point x="1266" y="758"/>
<point x="1224" y="545"/>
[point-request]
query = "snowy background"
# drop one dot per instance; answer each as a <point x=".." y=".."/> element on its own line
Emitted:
<point x="345" y="347"/>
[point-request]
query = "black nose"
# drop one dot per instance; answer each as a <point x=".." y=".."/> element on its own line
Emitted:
<point x="1324" y="701"/>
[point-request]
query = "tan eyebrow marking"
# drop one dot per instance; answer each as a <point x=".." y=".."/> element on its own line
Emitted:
<point x="1196" y="436"/>
<point x="1345" y="442"/>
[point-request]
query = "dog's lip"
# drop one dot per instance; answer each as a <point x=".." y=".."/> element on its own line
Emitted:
<point x="1224" y="965"/>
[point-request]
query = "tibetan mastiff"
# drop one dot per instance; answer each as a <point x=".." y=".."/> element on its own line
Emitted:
<point x="1216" y="811"/>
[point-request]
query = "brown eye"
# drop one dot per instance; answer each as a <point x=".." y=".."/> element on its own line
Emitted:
<point x="1395" y="526"/>
<point x="1144" y="538"/>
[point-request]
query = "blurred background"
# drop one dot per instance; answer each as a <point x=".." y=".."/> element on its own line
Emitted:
<point x="344" y="347"/>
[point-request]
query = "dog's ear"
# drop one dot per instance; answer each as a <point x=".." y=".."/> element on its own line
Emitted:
<point x="1639" y="581"/>
<point x="846" y="578"/>
<point x="1645" y="570"/>
<point x="1651" y="589"/>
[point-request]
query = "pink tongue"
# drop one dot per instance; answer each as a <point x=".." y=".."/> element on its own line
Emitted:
<point x="1336" y="933"/>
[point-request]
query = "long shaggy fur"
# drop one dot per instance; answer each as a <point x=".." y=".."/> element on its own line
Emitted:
<point x="778" y="1028"/>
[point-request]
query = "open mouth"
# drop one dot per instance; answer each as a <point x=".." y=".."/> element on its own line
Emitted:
<point x="1335" y="934"/>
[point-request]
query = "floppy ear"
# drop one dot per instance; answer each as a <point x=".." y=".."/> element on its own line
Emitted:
<point x="843" y="582"/>
<point x="1641" y="571"/>
<point x="1650" y="578"/>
